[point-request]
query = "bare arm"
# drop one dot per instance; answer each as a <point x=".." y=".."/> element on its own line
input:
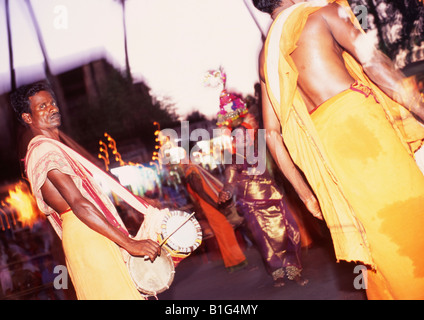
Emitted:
<point x="195" y="183"/>
<point x="229" y="183"/>
<point x="59" y="191"/>
<point x="282" y="158"/>
<point x="379" y="68"/>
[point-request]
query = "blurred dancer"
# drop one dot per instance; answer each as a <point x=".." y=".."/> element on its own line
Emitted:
<point x="204" y="188"/>
<point x="258" y="198"/>
<point x="264" y="208"/>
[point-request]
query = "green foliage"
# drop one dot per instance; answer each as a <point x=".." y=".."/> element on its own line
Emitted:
<point x="124" y="110"/>
<point x="402" y="19"/>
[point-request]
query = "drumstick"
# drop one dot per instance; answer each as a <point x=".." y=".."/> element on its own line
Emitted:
<point x="171" y="234"/>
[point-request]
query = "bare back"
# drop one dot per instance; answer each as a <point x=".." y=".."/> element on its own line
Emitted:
<point x="327" y="34"/>
<point x="318" y="58"/>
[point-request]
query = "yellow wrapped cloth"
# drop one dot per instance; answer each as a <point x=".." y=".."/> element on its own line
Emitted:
<point x="95" y="263"/>
<point x="384" y="186"/>
<point x="381" y="233"/>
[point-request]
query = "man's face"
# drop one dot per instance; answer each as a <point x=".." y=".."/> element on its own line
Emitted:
<point x="44" y="112"/>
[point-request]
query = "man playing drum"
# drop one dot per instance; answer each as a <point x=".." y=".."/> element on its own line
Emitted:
<point x="94" y="237"/>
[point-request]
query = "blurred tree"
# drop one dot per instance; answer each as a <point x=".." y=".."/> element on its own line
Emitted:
<point x="124" y="110"/>
<point x="195" y="116"/>
<point x="52" y="79"/>
<point x="127" y="61"/>
<point x="9" y="41"/>
<point x="399" y="26"/>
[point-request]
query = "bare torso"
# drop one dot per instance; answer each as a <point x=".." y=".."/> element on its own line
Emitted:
<point x="318" y="58"/>
<point x="319" y="62"/>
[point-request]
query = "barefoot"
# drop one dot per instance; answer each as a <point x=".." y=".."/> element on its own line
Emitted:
<point x="279" y="283"/>
<point x="301" y="281"/>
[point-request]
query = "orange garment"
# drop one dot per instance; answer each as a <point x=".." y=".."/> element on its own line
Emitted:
<point x="300" y="135"/>
<point x="353" y="237"/>
<point x="383" y="185"/>
<point x="231" y="252"/>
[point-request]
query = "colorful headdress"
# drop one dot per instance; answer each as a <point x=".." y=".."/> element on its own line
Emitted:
<point x="231" y="105"/>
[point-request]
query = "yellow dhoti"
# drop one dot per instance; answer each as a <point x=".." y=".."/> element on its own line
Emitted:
<point x="95" y="263"/>
<point x="383" y="185"/>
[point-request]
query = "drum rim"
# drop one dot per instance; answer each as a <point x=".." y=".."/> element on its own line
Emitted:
<point x="174" y="246"/>
<point x="148" y="292"/>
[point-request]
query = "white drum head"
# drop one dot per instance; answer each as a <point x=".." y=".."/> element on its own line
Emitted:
<point x="187" y="238"/>
<point x="152" y="278"/>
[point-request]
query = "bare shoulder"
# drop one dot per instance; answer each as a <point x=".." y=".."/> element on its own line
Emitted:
<point x="340" y="22"/>
<point x="335" y="14"/>
<point x="333" y="9"/>
<point x="316" y="28"/>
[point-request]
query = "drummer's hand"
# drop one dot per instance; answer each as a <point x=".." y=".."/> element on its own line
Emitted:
<point x="224" y="196"/>
<point x="312" y="205"/>
<point x="144" y="248"/>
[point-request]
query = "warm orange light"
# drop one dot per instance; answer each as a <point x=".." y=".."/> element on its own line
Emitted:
<point x="21" y="200"/>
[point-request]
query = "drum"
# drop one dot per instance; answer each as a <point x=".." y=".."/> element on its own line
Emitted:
<point x="185" y="240"/>
<point x="152" y="278"/>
